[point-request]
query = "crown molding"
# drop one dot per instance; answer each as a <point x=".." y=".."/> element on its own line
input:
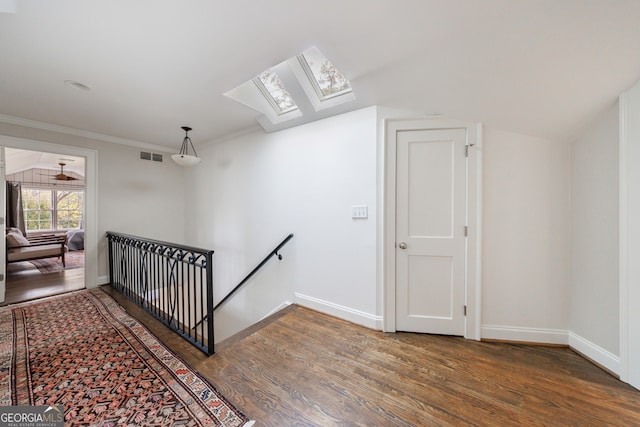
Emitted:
<point x="81" y="133"/>
<point x="252" y="129"/>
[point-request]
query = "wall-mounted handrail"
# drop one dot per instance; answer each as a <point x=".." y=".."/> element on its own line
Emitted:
<point x="266" y="259"/>
<point x="254" y="271"/>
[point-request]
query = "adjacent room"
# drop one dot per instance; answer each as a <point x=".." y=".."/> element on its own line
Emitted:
<point x="45" y="206"/>
<point x="362" y="212"/>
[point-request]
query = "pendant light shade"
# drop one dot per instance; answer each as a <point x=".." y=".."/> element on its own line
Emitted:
<point x="183" y="158"/>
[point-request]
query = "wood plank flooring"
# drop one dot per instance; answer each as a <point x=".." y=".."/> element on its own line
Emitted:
<point x="31" y="284"/>
<point x="303" y="368"/>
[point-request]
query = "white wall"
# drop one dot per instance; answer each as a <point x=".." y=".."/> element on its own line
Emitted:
<point x="134" y="196"/>
<point x="253" y="190"/>
<point x="250" y="192"/>
<point x="526" y="205"/>
<point x="595" y="313"/>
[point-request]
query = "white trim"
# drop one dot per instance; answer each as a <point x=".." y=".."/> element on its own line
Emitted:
<point x="230" y="137"/>
<point x="270" y="98"/>
<point x="474" y="241"/>
<point x="594" y="352"/>
<point x="82" y="133"/>
<point x="474" y="217"/>
<point x="282" y="306"/>
<point x="309" y="85"/>
<point x="583" y="346"/>
<point x="389" y="230"/>
<point x="352" y="315"/>
<point x="380" y="215"/>
<point x="91" y="195"/>
<point x="523" y="334"/>
<point x="3" y="249"/>
<point x="623" y="239"/>
<point x="103" y="280"/>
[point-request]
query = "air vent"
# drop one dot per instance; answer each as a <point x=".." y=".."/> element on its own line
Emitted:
<point x="145" y="155"/>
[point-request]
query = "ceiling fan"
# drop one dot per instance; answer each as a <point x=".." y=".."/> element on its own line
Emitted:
<point x="61" y="176"/>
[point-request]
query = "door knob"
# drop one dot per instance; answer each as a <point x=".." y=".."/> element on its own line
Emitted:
<point x="402" y="245"/>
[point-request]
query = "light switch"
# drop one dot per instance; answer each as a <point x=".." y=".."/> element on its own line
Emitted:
<point x="359" y="212"/>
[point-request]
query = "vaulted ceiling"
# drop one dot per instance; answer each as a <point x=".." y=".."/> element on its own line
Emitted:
<point x="540" y="67"/>
<point x="22" y="160"/>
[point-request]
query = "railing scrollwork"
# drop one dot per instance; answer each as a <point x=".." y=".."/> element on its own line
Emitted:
<point x="174" y="283"/>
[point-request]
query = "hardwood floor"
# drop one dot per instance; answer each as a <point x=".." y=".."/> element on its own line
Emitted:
<point x="29" y="284"/>
<point x="305" y="368"/>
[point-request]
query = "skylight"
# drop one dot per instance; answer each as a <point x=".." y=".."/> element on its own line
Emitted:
<point x="327" y="80"/>
<point x="274" y="90"/>
<point x="301" y="89"/>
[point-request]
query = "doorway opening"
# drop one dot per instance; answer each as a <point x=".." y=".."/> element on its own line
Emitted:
<point x="45" y="203"/>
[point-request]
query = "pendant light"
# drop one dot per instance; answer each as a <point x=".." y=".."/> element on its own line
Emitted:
<point x="183" y="158"/>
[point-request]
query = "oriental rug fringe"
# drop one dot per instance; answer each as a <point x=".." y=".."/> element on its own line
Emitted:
<point x="84" y="352"/>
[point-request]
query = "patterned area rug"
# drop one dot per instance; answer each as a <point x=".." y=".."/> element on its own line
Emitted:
<point x="72" y="259"/>
<point x="83" y="351"/>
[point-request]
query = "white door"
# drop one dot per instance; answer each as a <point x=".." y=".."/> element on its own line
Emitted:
<point x="430" y="231"/>
<point x="3" y="216"/>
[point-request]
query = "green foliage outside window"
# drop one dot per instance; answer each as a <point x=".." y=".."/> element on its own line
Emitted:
<point x="69" y="209"/>
<point x="46" y="209"/>
<point x="38" y="212"/>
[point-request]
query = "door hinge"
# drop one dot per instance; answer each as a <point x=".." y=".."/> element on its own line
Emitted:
<point x="466" y="231"/>
<point x="466" y="149"/>
<point x="465" y="310"/>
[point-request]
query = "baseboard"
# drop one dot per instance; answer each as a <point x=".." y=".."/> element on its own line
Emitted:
<point x="595" y="353"/>
<point x="103" y="280"/>
<point x="342" y="312"/>
<point x="277" y="309"/>
<point x="520" y="334"/>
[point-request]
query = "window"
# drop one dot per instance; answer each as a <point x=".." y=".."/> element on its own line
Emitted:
<point x="273" y="89"/>
<point x="69" y="208"/>
<point x="38" y="209"/>
<point x="49" y="209"/>
<point x="313" y="84"/>
<point x="327" y="80"/>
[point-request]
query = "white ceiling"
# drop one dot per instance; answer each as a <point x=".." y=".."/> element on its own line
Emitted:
<point x="540" y="67"/>
<point x="22" y="160"/>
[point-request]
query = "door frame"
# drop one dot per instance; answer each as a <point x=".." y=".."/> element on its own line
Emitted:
<point x="91" y="195"/>
<point x="3" y="225"/>
<point x="474" y="218"/>
<point x="629" y="246"/>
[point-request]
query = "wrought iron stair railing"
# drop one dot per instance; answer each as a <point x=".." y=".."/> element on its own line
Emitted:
<point x="173" y="283"/>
